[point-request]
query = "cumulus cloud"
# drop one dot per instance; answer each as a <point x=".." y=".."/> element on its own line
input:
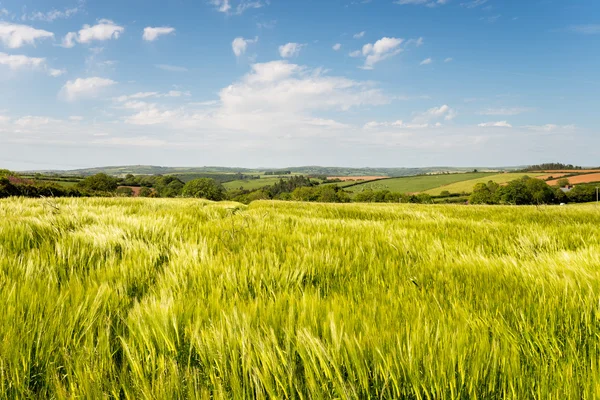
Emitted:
<point x="337" y="47"/>
<point x="382" y="49"/>
<point x="14" y="36"/>
<point x="151" y="34"/>
<point x="435" y="113"/>
<point x="426" y="61"/>
<point x="272" y="98"/>
<point x="85" y="88"/>
<point x="104" y="30"/>
<point x="290" y="50"/>
<point x="499" y="124"/>
<point x="55" y="73"/>
<point x="240" y="45"/>
<point x="15" y="62"/>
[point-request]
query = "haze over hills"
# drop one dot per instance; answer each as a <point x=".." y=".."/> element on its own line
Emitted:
<point x="304" y="170"/>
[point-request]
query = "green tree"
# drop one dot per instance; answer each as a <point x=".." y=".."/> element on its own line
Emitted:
<point x="99" y="183"/>
<point x="204" y="188"/>
<point x="564" y="182"/>
<point x="481" y="195"/>
<point x="145" y="192"/>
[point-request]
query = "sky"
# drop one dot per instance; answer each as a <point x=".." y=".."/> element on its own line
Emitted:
<point x="281" y="83"/>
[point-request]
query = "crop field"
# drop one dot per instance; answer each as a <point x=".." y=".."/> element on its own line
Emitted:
<point x="159" y="298"/>
<point x="584" y="178"/>
<point x="415" y="184"/>
<point x="467" y="185"/>
<point x="251" y="184"/>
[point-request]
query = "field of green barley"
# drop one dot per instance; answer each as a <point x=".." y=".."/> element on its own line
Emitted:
<point x="168" y="299"/>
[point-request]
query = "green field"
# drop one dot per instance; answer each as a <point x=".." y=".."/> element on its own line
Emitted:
<point x="252" y="184"/>
<point x="467" y="186"/>
<point x="165" y="299"/>
<point x="415" y="184"/>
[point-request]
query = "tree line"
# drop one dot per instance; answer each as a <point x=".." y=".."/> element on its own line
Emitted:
<point x="524" y="191"/>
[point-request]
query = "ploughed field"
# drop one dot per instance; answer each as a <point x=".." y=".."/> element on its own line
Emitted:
<point x="153" y="298"/>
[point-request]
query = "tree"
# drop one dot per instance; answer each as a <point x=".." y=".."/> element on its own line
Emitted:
<point x="481" y="195"/>
<point x="145" y="192"/>
<point x="99" y="183"/>
<point x="204" y="188"/>
<point x="564" y="182"/>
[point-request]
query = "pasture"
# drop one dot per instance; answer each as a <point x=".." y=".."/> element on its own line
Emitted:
<point x="157" y="298"/>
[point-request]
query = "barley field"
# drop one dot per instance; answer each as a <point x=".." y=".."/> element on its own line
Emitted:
<point x="168" y="299"/>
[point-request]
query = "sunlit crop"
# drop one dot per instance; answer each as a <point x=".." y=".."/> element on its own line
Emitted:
<point x="165" y="299"/>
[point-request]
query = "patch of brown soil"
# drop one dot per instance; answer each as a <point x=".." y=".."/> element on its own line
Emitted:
<point x="574" y="180"/>
<point x="357" y="178"/>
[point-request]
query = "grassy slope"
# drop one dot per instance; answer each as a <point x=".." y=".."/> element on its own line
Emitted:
<point x="142" y="298"/>
<point x="416" y="183"/>
<point x="467" y="185"/>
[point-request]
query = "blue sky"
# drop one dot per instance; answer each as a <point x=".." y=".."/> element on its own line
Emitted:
<point x="276" y="83"/>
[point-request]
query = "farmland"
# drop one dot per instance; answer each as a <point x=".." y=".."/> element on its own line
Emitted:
<point x="160" y="298"/>
<point x="416" y="184"/>
<point x="467" y="185"/>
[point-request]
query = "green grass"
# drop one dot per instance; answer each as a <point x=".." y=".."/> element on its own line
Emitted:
<point x="166" y="299"/>
<point x="468" y="185"/>
<point x="416" y="184"/>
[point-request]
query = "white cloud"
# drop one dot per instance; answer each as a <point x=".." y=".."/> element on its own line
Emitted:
<point x="506" y="111"/>
<point x="33" y="121"/>
<point x="474" y="3"/>
<point x="52" y="15"/>
<point x="225" y="6"/>
<point x="337" y="47"/>
<point x="398" y="124"/>
<point x="549" y="128"/>
<point x="104" y="30"/>
<point x="359" y="35"/>
<point x="85" y="87"/>
<point x="148" y="95"/>
<point x="382" y="49"/>
<point x="240" y="45"/>
<point x="55" y="73"/>
<point x="436" y="113"/>
<point x="75" y="118"/>
<point x="499" y="124"/>
<point x="449" y="59"/>
<point x="16" y="62"/>
<point x="428" y="3"/>
<point x="151" y="34"/>
<point x="14" y="36"/>
<point x="426" y="61"/>
<point x="171" y="68"/>
<point x="290" y="50"/>
<point x="272" y="98"/>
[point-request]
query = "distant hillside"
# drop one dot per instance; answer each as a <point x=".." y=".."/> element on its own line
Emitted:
<point x="307" y="170"/>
